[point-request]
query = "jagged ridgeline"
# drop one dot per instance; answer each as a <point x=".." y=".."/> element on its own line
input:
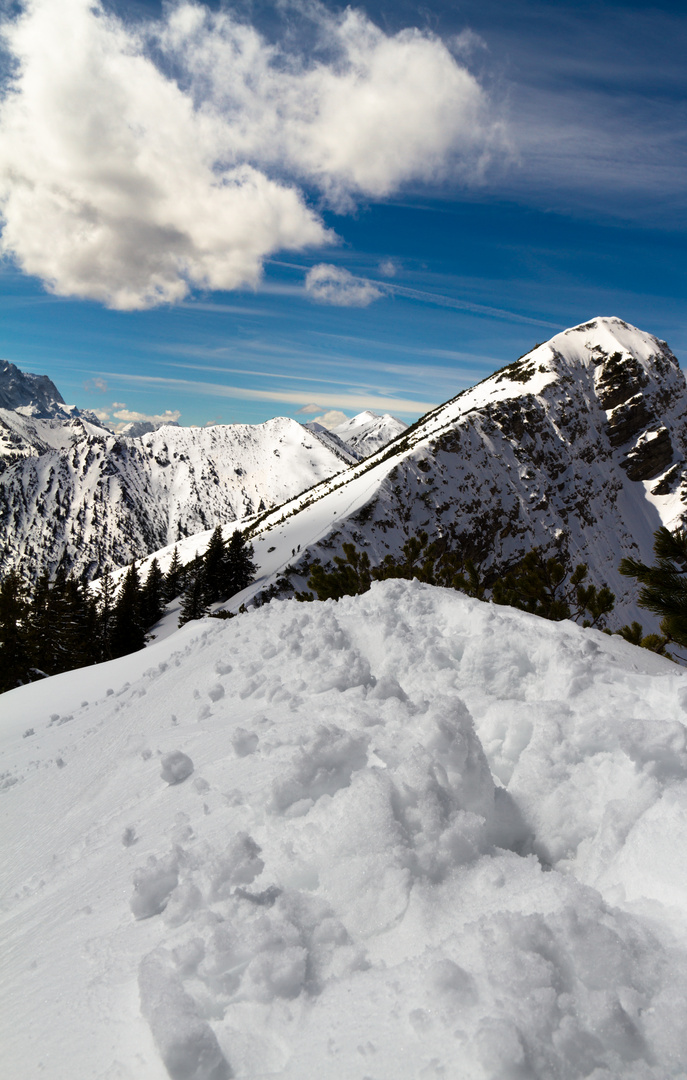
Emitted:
<point x="76" y="496"/>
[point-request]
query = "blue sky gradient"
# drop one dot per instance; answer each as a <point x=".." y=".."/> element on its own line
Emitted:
<point x="582" y="212"/>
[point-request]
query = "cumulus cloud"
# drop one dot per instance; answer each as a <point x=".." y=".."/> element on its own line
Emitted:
<point x="137" y="162"/>
<point x="333" y="285"/>
<point x="388" y="267"/>
<point x="330" y="419"/>
<point x="117" y="417"/>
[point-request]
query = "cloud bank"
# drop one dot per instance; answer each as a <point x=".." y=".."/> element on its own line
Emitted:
<point x="138" y="162"/>
<point x="328" y="284"/>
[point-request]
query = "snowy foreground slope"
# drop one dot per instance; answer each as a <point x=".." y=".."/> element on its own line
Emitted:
<point x="423" y="837"/>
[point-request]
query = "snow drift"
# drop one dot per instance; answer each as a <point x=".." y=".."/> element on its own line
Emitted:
<point x="407" y="834"/>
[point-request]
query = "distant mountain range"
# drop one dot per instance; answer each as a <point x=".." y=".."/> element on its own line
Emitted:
<point x="75" y="493"/>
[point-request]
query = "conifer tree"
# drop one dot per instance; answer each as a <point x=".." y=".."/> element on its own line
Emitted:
<point x="194" y="605"/>
<point x="174" y="578"/>
<point x="15" y="661"/>
<point x="350" y="577"/>
<point x="151" y="595"/>
<point x="105" y="617"/>
<point x="664" y="585"/>
<point x="128" y="634"/>
<point x="40" y="629"/>
<point x="240" y="566"/>
<point x="216" y="568"/>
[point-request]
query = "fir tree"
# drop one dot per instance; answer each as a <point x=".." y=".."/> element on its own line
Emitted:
<point x="240" y="566"/>
<point x="194" y="605"/>
<point x="174" y="578"/>
<point x="216" y="568"/>
<point x="41" y="634"/>
<point x="15" y="661"/>
<point x="128" y="634"/>
<point x="151" y="595"/>
<point x="105" y="617"/>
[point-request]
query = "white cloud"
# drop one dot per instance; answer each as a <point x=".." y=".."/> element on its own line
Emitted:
<point x="128" y="416"/>
<point x="388" y="267"/>
<point x="333" y="285"/>
<point x="95" y="384"/>
<point x="330" y="419"/>
<point x="124" y="185"/>
<point x="125" y="416"/>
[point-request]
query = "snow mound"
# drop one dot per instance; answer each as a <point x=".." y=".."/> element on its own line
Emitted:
<point x="427" y="837"/>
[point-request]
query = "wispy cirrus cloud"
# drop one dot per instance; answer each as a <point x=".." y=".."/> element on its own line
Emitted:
<point x="176" y="152"/>
<point x="341" y="400"/>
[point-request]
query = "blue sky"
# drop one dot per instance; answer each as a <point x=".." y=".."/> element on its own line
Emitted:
<point x="502" y="173"/>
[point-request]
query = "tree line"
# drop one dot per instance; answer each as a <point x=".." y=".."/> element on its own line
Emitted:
<point x="62" y="623"/>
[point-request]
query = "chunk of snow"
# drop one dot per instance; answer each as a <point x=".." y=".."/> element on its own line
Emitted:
<point x="175" y="767"/>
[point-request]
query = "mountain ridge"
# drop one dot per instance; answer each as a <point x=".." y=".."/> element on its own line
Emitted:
<point x="579" y="445"/>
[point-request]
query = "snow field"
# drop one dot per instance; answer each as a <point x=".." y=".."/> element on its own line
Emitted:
<point x="404" y="835"/>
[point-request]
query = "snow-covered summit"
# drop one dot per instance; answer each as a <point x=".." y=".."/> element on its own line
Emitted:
<point x="368" y="431"/>
<point x="363" y="434"/>
<point x="37" y="395"/>
<point x="405" y="835"/>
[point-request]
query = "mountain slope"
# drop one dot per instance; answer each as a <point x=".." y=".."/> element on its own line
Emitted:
<point x="581" y="444"/>
<point x="423" y="837"/>
<point x="87" y="497"/>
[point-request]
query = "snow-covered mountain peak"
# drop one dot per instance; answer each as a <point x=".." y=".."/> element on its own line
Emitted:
<point x="33" y="395"/>
<point x="368" y="432"/>
<point x="579" y="446"/>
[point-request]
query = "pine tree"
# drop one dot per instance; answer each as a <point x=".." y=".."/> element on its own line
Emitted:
<point x="15" y="662"/>
<point x="128" y="634"/>
<point x="664" y="585"/>
<point x="240" y="566"/>
<point x="174" y="578"/>
<point x="105" y="617"/>
<point x="194" y="605"/>
<point x="151" y="595"/>
<point x="216" y="568"/>
<point x="40" y="630"/>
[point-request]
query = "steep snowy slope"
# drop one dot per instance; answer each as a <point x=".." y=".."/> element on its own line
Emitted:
<point x="411" y="836"/>
<point x="92" y="498"/>
<point x="581" y="442"/>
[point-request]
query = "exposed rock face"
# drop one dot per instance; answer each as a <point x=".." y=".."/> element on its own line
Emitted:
<point x="580" y="444"/>
<point x="22" y="390"/>
<point x="651" y="455"/>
